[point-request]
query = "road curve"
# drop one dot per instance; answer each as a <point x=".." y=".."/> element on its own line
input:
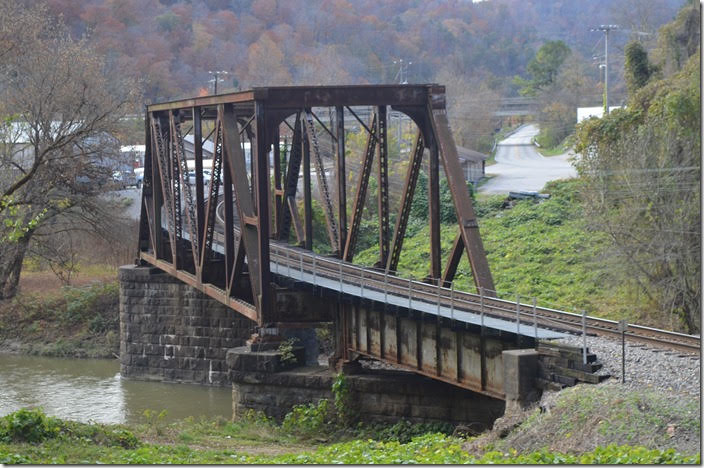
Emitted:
<point x="519" y="166"/>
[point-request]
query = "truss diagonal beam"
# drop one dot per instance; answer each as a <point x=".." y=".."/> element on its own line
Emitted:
<point x="213" y="193"/>
<point x="166" y="187"/>
<point x="254" y="226"/>
<point x="361" y="193"/>
<point x="323" y="188"/>
<point x="453" y="261"/>
<point x="180" y="155"/>
<point x="404" y="211"/>
<point x="469" y="229"/>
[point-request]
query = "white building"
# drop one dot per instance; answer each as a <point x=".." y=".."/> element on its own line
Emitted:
<point x="587" y="112"/>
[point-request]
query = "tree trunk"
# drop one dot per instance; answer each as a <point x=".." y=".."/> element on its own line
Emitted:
<point x="11" y="258"/>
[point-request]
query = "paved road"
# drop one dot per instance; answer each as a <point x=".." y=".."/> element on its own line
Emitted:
<point x="519" y="166"/>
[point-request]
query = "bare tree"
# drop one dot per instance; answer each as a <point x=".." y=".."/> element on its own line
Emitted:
<point x="60" y="104"/>
<point x="471" y="107"/>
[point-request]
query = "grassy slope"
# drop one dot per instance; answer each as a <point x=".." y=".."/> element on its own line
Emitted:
<point x="588" y="416"/>
<point x="49" y="319"/>
<point x="535" y="249"/>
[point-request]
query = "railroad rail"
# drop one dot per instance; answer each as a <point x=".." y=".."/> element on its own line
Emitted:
<point x="530" y="314"/>
<point x="286" y="259"/>
<point x="287" y="256"/>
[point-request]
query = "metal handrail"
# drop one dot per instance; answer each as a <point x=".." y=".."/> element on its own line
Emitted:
<point x="386" y="282"/>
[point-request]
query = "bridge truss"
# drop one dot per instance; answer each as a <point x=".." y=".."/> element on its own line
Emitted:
<point x="216" y="234"/>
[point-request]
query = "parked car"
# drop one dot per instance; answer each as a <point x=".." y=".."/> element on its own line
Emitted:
<point x="124" y="179"/>
<point x="206" y="177"/>
<point x="139" y="176"/>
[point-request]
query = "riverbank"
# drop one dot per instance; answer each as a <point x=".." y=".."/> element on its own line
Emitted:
<point x="585" y="424"/>
<point x="47" y="318"/>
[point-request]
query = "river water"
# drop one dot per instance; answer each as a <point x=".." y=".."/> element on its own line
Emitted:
<point x="92" y="390"/>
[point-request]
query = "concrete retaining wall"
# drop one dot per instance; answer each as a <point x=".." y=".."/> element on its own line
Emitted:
<point x="170" y="331"/>
<point x="377" y="396"/>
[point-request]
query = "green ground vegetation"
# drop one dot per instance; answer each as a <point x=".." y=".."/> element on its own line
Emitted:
<point x="586" y="417"/>
<point x="66" y="321"/>
<point x="561" y="148"/>
<point x="29" y="436"/>
<point x="543" y="249"/>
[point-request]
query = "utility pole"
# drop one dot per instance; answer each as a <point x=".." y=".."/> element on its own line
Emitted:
<point x="402" y="66"/>
<point x="215" y="79"/>
<point x="606" y="28"/>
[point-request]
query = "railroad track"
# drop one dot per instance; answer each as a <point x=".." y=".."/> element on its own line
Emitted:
<point x="298" y="259"/>
<point x="334" y="269"/>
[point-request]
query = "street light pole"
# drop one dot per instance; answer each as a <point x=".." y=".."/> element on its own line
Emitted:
<point x="606" y="28"/>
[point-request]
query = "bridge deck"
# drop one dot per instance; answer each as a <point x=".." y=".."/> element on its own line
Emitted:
<point x="346" y="278"/>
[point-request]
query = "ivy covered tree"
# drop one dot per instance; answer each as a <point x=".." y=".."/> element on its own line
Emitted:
<point x="642" y="172"/>
<point x="637" y="67"/>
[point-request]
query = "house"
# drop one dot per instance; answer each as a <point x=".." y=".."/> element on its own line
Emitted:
<point x="472" y="163"/>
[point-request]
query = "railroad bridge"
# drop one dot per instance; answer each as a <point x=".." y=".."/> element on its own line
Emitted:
<point x="243" y="238"/>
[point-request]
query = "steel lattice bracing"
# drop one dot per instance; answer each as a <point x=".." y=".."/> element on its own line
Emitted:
<point x="262" y="187"/>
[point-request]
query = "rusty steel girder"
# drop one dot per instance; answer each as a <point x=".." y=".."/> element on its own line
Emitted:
<point x="216" y="236"/>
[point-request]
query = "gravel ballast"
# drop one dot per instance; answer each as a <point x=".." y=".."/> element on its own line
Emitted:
<point x="645" y="367"/>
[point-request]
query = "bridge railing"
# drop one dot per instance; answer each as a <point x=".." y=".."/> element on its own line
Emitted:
<point x="380" y="285"/>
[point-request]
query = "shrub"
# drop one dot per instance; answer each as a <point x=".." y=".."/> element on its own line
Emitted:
<point x="307" y="420"/>
<point x="28" y="425"/>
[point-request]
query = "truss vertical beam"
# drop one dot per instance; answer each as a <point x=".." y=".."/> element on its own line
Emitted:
<point x="278" y="192"/>
<point x="434" y="213"/>
<point x="361" y="195"/>
<point x="383" y="186"/>
<point x="147" y="232"/>
<point x="341" y="176"/>
<point x="200" y="192"/>
<point x="404" y="211"/>
<point x="307" y="197"/>
<point x="290" y="210"/>
<point x="263" y="204"/>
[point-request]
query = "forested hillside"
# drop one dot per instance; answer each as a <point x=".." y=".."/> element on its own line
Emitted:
<point x="173" y="44"/>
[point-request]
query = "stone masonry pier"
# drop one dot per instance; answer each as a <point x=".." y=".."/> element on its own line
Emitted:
<point x="170" y="331"/>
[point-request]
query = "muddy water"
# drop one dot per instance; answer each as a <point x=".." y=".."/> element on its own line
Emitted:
<point x="92" y="390"/>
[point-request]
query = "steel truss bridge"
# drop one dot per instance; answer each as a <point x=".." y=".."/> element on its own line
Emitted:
<point x="246" y="238"/>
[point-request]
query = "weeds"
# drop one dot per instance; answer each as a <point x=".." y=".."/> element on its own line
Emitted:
<point x="286" y="350"/>
<point x="69" y="442"/>
<point x="155" y="421"/>
<point x="307" y="420"/>
<point x="28" y="425"/>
